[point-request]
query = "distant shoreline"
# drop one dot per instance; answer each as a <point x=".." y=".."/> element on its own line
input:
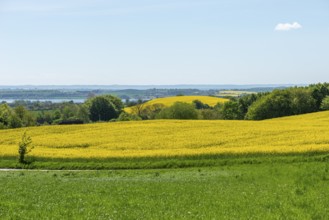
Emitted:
<point x="144" y="87"/>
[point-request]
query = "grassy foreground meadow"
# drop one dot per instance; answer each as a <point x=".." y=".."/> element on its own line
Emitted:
<point x="245" y="191"/>
<point x="144" y="143"/>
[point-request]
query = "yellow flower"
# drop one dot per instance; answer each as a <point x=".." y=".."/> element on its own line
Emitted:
<point x="174" y="138"/>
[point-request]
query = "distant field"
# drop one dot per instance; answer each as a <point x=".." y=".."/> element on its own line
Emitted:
<point x="168" y="101"/>
<point x="166" y="138"/>
<point x="212" y="101"/>
<point x="234" y="93"/>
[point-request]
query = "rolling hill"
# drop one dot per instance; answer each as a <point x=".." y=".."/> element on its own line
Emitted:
<point x="166" y="138"/>
<point x="168" y="101"/>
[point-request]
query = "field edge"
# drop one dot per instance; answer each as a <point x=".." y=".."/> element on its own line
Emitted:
<point x="10" y="162"/>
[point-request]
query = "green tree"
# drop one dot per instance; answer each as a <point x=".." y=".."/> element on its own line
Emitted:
<point x="24" y="116"/>
<point x="325" y="103"/>
<point x="117" y="102"/>
<point x="83" y="113"/>
<point x="102" y="109"/>
<point x="69" y="111"/>
<point x="302" y="101"/>
<point x="319" y="92"/>
<point x="41" y="118"/>
<point x="246" y="101"/>
<point x="20" y="111"/>
<point x="276" y="104"/>
<point x="230" y="110"/>
<point x="5" y="116"/>
<point x="15" y="122"/>
<point x="56" y="115"/>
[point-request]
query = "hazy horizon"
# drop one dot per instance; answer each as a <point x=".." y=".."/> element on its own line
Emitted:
<point x="146" y="87"/>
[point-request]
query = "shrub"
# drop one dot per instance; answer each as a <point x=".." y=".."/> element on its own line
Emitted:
<point x="24" y="147"/>
<point x="179" y="110"/>
<point x="210" y="114"/>
<point x="200" y="105"/>
<point x="70" y="121"/>
<point x="128" y="117"/>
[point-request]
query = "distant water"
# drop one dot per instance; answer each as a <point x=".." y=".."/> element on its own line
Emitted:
<point x="43" y="100"/>
<point x="56" y="100"/>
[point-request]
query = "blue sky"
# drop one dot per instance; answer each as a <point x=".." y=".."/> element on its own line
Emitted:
<point x="163" y="42"/>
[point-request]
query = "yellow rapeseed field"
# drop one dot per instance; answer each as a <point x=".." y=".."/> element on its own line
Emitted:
<point x="173" y="137"/>
<point x="168" y="101"/>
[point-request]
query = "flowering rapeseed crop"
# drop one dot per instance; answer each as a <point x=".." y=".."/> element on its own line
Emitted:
<point x="174" y="138"/>
<point x="168" y="101"/>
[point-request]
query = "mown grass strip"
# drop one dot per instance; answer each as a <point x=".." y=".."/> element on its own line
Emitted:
<point x="162" y="162"/>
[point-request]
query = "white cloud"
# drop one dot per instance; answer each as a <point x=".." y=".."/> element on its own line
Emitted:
<point x="287" y="26"/>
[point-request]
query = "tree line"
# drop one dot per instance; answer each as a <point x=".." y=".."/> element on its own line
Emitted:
<point x="278" y="103"/>
<point x="266" y="105"/>
<point x="26" y="114"/>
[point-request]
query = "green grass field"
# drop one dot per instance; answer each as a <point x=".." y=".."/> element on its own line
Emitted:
<point x="279" y="190"/>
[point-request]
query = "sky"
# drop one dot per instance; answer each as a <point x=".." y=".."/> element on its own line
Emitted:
<point x="162" y="42"/>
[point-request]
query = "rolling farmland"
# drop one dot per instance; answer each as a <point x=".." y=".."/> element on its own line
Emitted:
<point x="271" y="169"/>
<point x="168" y="101"/>
<point x="165" y="138"/>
